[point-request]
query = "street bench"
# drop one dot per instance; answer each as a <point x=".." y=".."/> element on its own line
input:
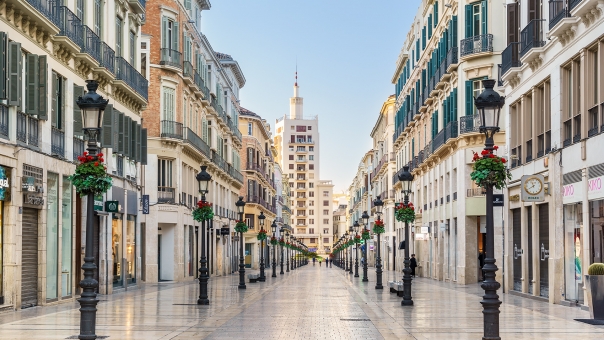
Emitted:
<point x="253" y="277"/>
<point x="396" y="287"/>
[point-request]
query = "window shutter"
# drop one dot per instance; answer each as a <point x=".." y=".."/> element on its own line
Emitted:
<point x="107" y="132"/>
<point x="31" y="78"/>
<point x="43" y="88"/>
<point x="133" y="138"/>
<point x="175" y="36"/>
<point x="468" y="21"/>
<point x="454" y="104"/>
<point x="454" y="32"/>
<point x="435" y="13"/>
<point x="15" y="65"/>
<point x="429" y="26"/>
<point x="469" y="98"/>
<point x="138" y="142"/>
<point x="3" y="60"/>
<point x="164" y="32"/>
<point x="424" y="38"/>
<point x="513" y="22"/>
<point x="78" y="91"/>
<point x="115" y="131"/>
<point x="484" y="14"/>
<point x="54" y="114"/>
<point x="126" y="136"/>
<point x="120" y="139"/>
<point x="188" y="4"/>
<point x="143" y="147"/>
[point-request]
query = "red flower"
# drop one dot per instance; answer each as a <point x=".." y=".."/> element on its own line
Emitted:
<point x="484" y="152"/>
<point x="85" y="153"/>
<point x="96" y="163"/>
<point x="100" y="154"/>
<point x="495" y="147"/>
<point x="503" y="160"/>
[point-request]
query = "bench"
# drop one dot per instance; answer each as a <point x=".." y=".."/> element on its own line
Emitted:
<point x="253" y="277"/>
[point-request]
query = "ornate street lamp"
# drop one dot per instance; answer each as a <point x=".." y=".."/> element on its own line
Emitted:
<point x="489" y="104"/>
<point x="240" y="204"/>
<point x="92" y="106"/>
<point x="281" y="233"/>
<point x="287" y="250"/>
<point x="365" y="218"/>
<point x="406" y="179"/>
<point x="378" y="259"/>
<point x="355" y="226"/>
<point x="203" y="179"/>
<point x="346" y="256"/>
<point x="274" y="230"/>
<point x="261" y="218"/>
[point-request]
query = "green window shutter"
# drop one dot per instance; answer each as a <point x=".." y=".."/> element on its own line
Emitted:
<point x="54" y="112"/>
<point x="469" y="98"/>
<point x="188" y="4"/>
<point x="429" y="26"/>
<point x="454" y="104"/>
<point x="435" y="13"/>
<point x="164" y="32"/>
<point x="143" y="146"/>
<point x="484" y="15"/>
<point x="175" y="36"/>
<point x="138" y="143"/>
<point x="469" y="31"/>
<point x="3" y="60"/>
<point x="15" y="66"/>
<point x="454" y="31"/>
<point x="43" y="87"/>
<point x="413" y="147"/>
<point x="107" y="131"/>
<point x="417" y="50"/>
<point x="78" y="91"/>
<point x="133" y="130"/>
<point x="120" y="139"/>
<point x="115" y="130"/>
<point x="31" y="79"/>
<point x="126" y="136"/>
<point x="424" y="38"/>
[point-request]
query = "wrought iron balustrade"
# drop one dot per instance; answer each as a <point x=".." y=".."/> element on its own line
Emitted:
<point x="510" y="57"/>
<point x="477" y="44"/>
<point x="558" y="10"/>
<point x="133" y="78"/>
<point x="170" y="57"/>
<point x="70" y="25"/>
<point x="532" y="36"/>
<point x="57" y="138"/>
<point x="171" y="129"/>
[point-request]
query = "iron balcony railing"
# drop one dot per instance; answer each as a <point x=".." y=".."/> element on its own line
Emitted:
<point x="499" y="73"/>
<point x="171" y="129"/>
<point x="132" y="77"/>
<point x="70" y="25"/>
<point x="4" y="122"/>
<point x="78" y="147"/>
<point x="166" y="194"/>
<point x="558" y="10"/>
<point x="21" y="127"/>
<point x="107" y="57"/>
<point x="33" y="131"/>
<point x="198" y="143"/>
<point x="573" y="3"/>
<point x="510" y="57"/>
<point x="198" y="80"/>
<point x="532" y="36"/>
<point x="170" y="57"/>
<point x="469" y="124"/>
<point x="477" y="44"/>
<point x="452" y="56"/>
<point x="48" y="8"/>
<point x="57" y="142"/>
<point x="187" y="70"/>
<point x="120" y="166"/>
<point x="91" y="43"/>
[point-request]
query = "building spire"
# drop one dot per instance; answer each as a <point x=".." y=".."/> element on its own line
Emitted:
<point x="295" y="102"/>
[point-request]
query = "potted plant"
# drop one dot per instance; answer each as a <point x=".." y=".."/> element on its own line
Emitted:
<point x="594" y="281"/>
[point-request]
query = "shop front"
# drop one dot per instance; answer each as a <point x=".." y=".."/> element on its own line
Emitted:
<point x="124" y="236"/>
<point x="4" y="197"/>
<point x="33" y="201"/>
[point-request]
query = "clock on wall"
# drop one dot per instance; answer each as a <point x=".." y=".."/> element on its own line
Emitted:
<point x="532" y="187"/>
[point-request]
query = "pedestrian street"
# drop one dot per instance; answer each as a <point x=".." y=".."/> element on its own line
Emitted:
<point x="311" y="302"/>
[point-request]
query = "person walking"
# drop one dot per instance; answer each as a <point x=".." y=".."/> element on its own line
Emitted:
<point x="413" y="264"/>
<point x="320" y="260"/>
<point x="313" y="261"/>
<point x="481" y="257"/>
<point x="326" y="262"/>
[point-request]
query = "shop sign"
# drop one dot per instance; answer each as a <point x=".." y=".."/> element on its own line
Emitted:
<point x="421" y="237"/>
<point x="225" y="231"/>
<point x="32" y="193"/>
<point x="112" y="206"/>
<point x="572" y="193"/>
<point x="98" y="203"/>
<point x="595" y="187"/>
<point x="4" y="184"/>
<point x="146" y="205"/>
<point x="425" y="230"/>
<point x="498" y="200"/>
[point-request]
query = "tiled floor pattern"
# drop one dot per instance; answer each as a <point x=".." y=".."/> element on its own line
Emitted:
<point x="308" y="303"/>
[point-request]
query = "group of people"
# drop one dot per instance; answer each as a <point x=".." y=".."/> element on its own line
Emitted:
<point x="412" y="263"/>
<point x="327" y="261"/>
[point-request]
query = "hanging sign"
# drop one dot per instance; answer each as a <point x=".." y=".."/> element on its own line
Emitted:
<point x="98" y="203"/>
<point x="498" y="200"/>
<point x="145" y="204"/>
<point x="4" y="184"/>
<point x="112" y="206"/>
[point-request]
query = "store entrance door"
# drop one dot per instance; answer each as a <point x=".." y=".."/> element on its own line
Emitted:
<point x="517" y="248"/>
<point x="543" y="249"/>
<point x="29" y="267"/>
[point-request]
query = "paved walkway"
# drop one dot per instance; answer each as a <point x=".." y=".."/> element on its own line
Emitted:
<point x="308" y="303"/>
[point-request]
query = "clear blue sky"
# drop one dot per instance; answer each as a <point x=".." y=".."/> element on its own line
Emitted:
<point x="345" y="51"/>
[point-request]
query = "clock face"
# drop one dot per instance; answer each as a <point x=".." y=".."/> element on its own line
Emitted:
<point x="533" y="186"/>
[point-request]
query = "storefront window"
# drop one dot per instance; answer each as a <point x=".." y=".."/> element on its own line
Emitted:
<point x="189" y="260"/>
<point x="66" y="240"/>
<point x="52" y="236"/>
<point x="573" y="238"/>
<point x="116" y="230"/>
<point x="1" y="251"/>
<point x="596" y="213"/>
<point x="131" y="249"/>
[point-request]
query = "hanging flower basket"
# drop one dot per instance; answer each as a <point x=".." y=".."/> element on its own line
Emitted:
<point x="240" y="227"/>
<point x="405" y="212"/>
<point x="490" y="170"/>
<point x="365" y="235"/>
<point x="350" y="243"/>
<point x="261" y="235"/>
<point x="203" y="212"/>
<point x="357" y="239"/>
<point x="274" y="241"/>
<point x="378" y="227"/>
<point x="91" y="176"/>
<point x="281" y="242"/>
<point x="331" y="255"/>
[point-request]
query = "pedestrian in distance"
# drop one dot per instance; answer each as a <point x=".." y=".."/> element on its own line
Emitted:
<point x="326" y="262"/>
<point x="362" y="261"/>
<point x="313" y="261"/>
<point x="320" y="260"/>
<point x="413" y="264"/>
<point x="481" y="257"/>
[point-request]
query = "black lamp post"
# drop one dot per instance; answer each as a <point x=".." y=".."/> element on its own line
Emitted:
<point x="240" y="204"/>
<point x="346" y="268"/>
<point x="489" y="104"/>
<point x="274" y="230"/>
<point x="281" y="232"/>
<point x="378" y="259"/>
<point x="356" y="249"/>
<point x="261" y="218"/>
<point x="287" y="250"/>
<point x="365" y="218"/>
<point x="92" y="106"/>
<point x="203" y="180"/>
<point x="407" y="179"/>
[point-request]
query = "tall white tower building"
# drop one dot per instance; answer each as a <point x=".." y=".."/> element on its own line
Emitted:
<point x="297" y="143"/>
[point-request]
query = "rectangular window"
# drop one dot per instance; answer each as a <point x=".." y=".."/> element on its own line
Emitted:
<point x="311" y="148"/>
<point x="311" y="230"/>
<point x="169" y="98"/>
<point x="66" y="268"/>
<point x="325" y="240"/>
<point x="311" y="157"/>
<point x="476" y="16"/>
<point x="98" y="13"/>
<point x="311" y="203"/>
<point x="325" y="193"/>
<point x="132" y="48"/>
<point x="325" y="231"/>
<point x="311" y="221"/>
<point x="311" y="194"/>
<point x="325" y="203"/>
<point x="326" y="212"/>
<point x="313" y="240"/>
<point x="326" y="221"/>
<point x="311" y="167"/>
<point x="311" y="212"/>
<point x="118" y="37"/>
<point x="52" y="236"/>
<point x="80" y="9"/>
<point x="164" y="174"/>
<point x="249" y="129"/>
<point x="301" y="222"/>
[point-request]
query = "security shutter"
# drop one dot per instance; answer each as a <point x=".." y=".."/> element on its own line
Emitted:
<point x="144" y="146"/>
<point x="543" y="249"/>
<point x="516" y="248"/>
<point x="3" y="57"/>
<point x="78" y="91"/>
<point x="107" y="132"/>
<point x="29" y="267"/>
<point x="15" y="66"/>
<point x="42" y="87"/>
<point x="31" y="78"/>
